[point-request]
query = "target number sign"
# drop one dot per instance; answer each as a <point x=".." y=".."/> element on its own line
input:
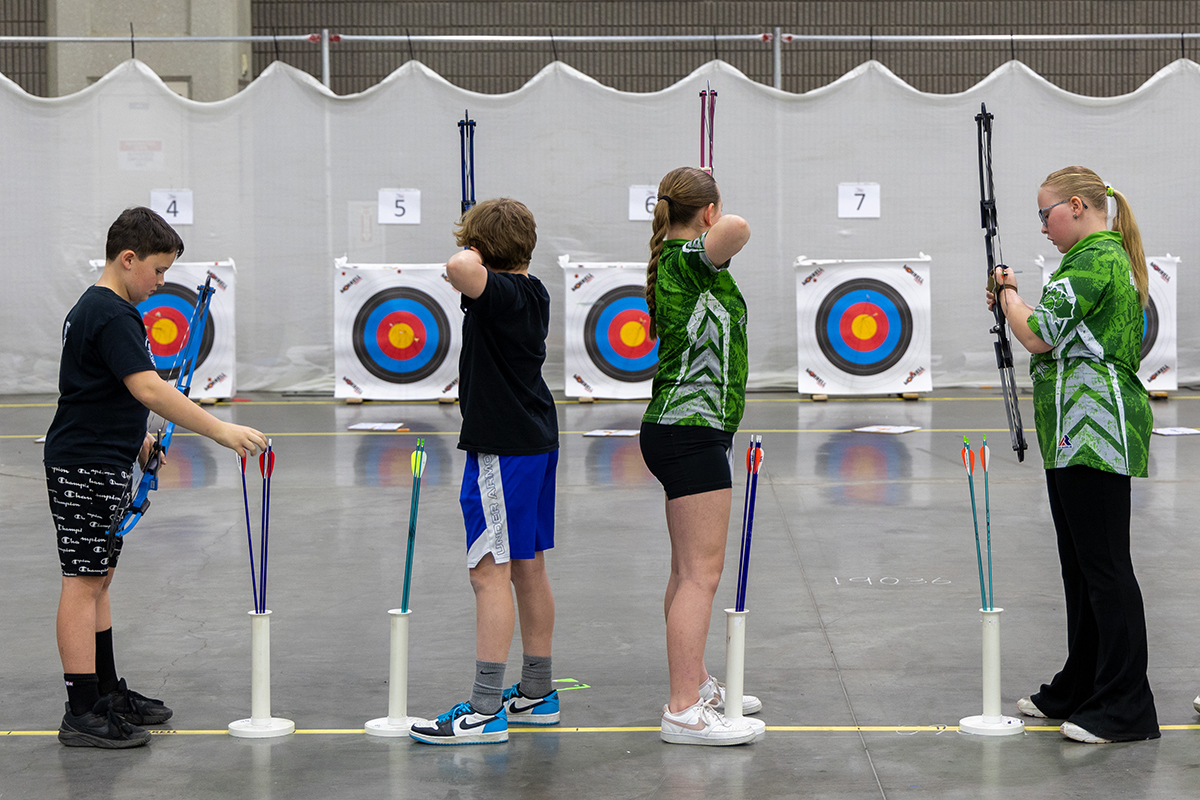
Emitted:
<point x="166" y="315"/>
<point x="864" y="327"/>
<point x="401" y="335"/>
<point x="858" y="200"/>
<point x="173" y="205"/>
<point x="399" y="207"/>
<point x="642" y="200"/>
<point x="616" y="334"/>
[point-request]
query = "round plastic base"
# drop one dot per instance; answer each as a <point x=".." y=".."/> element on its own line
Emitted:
<point x="261" y="728"/>
<point x="991" y="726"/>
<point x="386" y="726"/>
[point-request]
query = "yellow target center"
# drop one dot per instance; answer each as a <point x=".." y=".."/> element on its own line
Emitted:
<point x="864" y="326"/>
<point x="401" y="336"/>
<point x="164" y="331"/>
<point x="632" y="334"/>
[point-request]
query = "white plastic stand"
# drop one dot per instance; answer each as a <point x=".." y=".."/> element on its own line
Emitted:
<point x="735" y="670"/>
<point x="261" y="724"/>
<point x="991" y="722"/>
<point x="397" y="722"/>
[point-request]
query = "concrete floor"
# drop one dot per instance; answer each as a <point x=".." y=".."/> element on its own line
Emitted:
<point x="863" y="638"/>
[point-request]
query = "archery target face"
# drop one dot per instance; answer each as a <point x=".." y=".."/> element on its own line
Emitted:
<point x="608" y="350"/>
<point x="1159" y="367"/>
<point x="398" y="331"/>
<point x="167" y="315"/>
<point x="863" y="328"/>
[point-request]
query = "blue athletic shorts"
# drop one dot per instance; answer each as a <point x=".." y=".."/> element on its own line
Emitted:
<point x="508" y="505"/>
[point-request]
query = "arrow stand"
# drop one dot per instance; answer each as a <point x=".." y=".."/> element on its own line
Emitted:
<point x="991" y="722"/>
<point x="261" y="724"/>
<point x="397" y="722"/>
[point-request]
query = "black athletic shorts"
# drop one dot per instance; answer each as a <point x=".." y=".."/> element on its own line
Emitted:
<point x="688" y="459"/>
<point x="88" y="503"/>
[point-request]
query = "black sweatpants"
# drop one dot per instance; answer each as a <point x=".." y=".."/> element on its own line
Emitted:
<point x="1103" y="686"/>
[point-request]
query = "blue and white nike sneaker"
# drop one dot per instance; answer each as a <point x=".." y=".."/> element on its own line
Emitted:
<point x="524" y="710"/>
<point x="463" y="725"/>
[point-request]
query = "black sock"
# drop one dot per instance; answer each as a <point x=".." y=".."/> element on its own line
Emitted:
<point x="106" y="667"/>
<point x="81" y="691"/>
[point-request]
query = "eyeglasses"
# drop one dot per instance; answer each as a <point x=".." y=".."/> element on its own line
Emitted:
<point x="1044" y="213"/>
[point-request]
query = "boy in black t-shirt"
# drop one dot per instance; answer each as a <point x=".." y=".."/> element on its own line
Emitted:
<point x="510" y="433"/>
<point x="106" y="383"/>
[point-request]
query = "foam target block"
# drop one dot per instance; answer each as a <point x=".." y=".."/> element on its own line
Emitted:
<point x="397" y="332"/>
<point x="167" y="314"/>
<point x="608" y="352"/>
<point x="863" y="327"/>
<point x="1159" y="370"/>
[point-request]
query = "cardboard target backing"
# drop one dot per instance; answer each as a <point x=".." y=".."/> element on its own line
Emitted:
<point x="1160" y="362"/>
<point x="166" y="314"/>
<point x="607" y="350"/>
<point x="397" y="332"/>
<point x="863" y="327"/>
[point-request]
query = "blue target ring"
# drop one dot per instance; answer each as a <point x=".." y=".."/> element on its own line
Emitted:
<point x="890" y="327"/>
<point x="176" y="304"/>
<point x="608" y="318"/>
<point x="427" y="354"/>
<point x="1149" y="327"/>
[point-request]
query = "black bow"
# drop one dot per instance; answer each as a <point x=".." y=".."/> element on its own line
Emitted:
<point x="991" y="240"/>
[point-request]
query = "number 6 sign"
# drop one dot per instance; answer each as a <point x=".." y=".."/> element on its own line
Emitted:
<point x="399" y="207"/>
<point x="641" y="202"/>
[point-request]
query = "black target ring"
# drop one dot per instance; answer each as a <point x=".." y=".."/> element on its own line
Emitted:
<point x="858" y="352"/>
<point x="412" y="304"/>
<point x="619" y="360"/>
<point x="181" y="301"/>
<point x="1149" y="327"/>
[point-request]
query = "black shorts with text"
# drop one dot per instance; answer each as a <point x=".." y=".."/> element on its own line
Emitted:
<point x="88" y="504"/>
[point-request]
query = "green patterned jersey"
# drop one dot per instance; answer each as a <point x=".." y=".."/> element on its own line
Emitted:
<point x="702" y="361"/>
<point x="1090" y="408"/>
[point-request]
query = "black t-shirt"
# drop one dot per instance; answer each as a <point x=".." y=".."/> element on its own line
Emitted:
<point x="98" y="421"/>
<point x="507" y="408"/>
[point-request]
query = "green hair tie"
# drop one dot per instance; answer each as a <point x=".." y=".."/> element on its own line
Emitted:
<point x="1108" y="190"/>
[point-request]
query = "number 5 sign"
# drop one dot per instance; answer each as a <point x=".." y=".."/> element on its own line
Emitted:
<point x="399" y="207"/>
<point x="173" y="205"/>
<point x="858" y="200"/>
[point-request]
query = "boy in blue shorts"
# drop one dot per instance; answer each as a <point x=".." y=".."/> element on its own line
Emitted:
<point x="106" y="383"/>
<point x="510" y="434"/>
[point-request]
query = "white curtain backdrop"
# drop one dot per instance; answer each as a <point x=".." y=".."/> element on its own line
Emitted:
<point x="285" y="177"/>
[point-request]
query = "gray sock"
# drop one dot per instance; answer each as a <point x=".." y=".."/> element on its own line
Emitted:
<point x="535" y="675"/>
<point x="487" y="695"/>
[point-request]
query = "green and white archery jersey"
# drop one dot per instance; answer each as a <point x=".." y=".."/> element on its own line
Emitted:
<point x="1090" y="408"/>
<point x="702" y="361"/>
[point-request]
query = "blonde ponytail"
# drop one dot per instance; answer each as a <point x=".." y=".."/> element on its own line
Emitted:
<point x="682" y="194"/>
<point x="1125" y="224"/>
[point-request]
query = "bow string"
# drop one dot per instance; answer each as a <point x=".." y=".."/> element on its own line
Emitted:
<point x="995" y="258"/>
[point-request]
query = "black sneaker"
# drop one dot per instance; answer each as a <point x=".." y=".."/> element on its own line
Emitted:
<point x="100" y="727"/>
<point x="137" y="709"/>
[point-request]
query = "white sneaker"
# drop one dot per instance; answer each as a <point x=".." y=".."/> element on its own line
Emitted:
<point x="712" y="691"/>
<point x="1073" y="731"/>
<point x="1196" y="704"/>
<point x="703" y="724"/>
<point x="1026" y="707"/>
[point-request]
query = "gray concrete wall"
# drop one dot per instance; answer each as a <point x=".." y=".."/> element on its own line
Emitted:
<point x="208" y="71"/>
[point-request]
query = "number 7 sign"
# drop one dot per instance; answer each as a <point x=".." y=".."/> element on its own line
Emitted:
<point x="858" y="200"/>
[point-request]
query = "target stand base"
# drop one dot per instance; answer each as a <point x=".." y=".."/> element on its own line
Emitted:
<point x="819" y="398"/>
<point x="387" y="726"/>
<point x="1159" y="395"/>
<point x="991" y="726"/>
<point x="261" y="728"/>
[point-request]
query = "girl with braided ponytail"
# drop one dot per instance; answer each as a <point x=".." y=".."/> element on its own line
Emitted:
<point x="1093" y="423"/>
<point x="699" y="317"/>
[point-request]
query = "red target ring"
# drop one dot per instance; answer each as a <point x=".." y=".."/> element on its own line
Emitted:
<point x="629" y="333"/>
<point x="401" y="335"/>
<point x="864" y="327"/>
<point x="167" y="330"/>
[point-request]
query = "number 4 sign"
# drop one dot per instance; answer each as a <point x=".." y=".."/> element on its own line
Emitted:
<point x="858" y="200"/>
<point x="173" y="205"/>
<point x="399" y="207"/>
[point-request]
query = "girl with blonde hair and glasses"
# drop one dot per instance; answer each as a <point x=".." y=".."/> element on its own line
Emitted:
<point x="1093" y="422"/>
<point x="699" y="317"/>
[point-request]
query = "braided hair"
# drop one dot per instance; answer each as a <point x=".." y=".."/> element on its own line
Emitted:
<point x="682" y="194"/>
